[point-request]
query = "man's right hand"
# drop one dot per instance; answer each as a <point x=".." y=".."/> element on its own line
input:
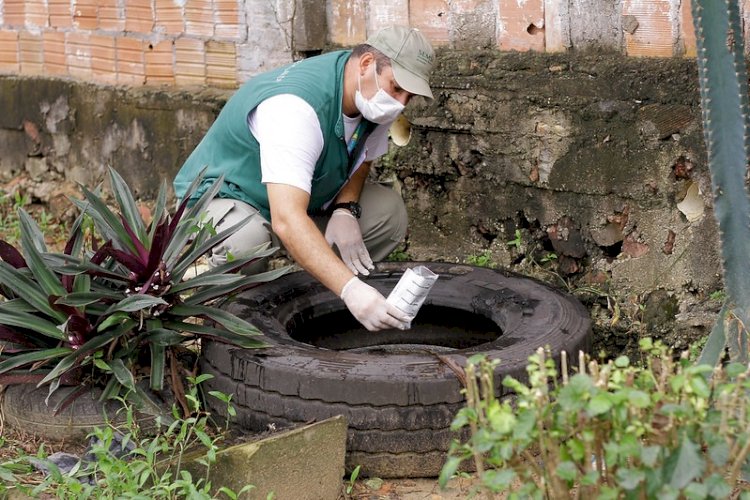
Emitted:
<point x="370" y="307"/>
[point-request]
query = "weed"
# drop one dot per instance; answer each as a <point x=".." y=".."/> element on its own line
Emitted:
<point x="398" y="256"/>
<point x="123" y="463"/>
<point x="482" y="260"/>
<point x="353" y="479"/>
<point x="516" y="242"/>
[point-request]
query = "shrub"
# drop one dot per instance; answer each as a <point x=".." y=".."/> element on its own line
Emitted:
<point x="612" y="430"/>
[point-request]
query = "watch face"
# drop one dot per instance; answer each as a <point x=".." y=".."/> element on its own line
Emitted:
<point x="355" y="209"/>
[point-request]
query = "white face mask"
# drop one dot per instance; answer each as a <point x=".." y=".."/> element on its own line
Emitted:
<point x="380" y="108"/>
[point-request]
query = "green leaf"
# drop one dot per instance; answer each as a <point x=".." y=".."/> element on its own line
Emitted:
<point x="649" y="455"/>
<point x="158" y="361"/>
<point x="499" y="480"/>
<point x="91" y="345"/>
<point x="28" y="290"/>
<point x="599" y="404"/>
<point x="207" y="280"/>
<point x="226" y="319"/>
<point x="630" y="479"/>
<point x="123" y="375"/>
<point x="684" y="464"/>
<point x="567" y="471"/>
<point x="135" y="302"/>
<point x="32" y="357"/>
<point x="49" y="282"/>
<point x="159" y="209"/>
<point x="449" y="470"/>
<point x="127" y="204"/>
<point x="31" y="322"/>
<point x="164" y="337"/>
<point x="639" y="399"/>
<point x="209" y="293"/>
<point x="84" y="298"/>
<point x="114" y="319"/>
<point x="218" y="333"/>
<point x="108" y="224"/>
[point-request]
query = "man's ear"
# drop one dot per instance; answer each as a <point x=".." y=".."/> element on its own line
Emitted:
<point x="364" y="62"/>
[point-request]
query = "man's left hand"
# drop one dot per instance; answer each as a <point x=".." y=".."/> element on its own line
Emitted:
<point x="344" y="232"/>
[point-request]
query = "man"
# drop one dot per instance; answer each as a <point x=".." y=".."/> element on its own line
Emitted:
<point x="295" y="147"/>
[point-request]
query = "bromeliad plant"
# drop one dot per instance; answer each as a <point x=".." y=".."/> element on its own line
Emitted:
<point x="115" y="312"/>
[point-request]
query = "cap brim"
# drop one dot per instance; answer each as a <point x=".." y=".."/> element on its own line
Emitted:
<point x="409" y="81"/>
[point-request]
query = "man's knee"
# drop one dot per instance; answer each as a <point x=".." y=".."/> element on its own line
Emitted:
<point x="384" y="219"/>
<point x="244" y="240"/>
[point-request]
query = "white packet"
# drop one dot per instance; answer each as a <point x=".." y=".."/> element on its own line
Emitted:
<point x="411" y="290"/>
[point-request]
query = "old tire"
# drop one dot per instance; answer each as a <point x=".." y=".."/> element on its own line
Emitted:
<point x="399" y="398"/>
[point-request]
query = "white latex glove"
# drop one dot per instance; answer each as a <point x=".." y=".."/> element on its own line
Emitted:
<point x="370" y="308"/>
<point x="344" y="232"/>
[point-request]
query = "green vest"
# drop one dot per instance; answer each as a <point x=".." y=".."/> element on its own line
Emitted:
<point x="229" y="148"/>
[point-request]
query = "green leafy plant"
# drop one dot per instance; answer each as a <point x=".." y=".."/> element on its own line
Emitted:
<point x="611" y="430"/>
<point x="516" y="241"/>
<point x="353" y="480"/>
<point x="482" y="260"/>
<point x="724" y="102"/>
<point x="123" y="463"/>
<point x="123" y="309"/>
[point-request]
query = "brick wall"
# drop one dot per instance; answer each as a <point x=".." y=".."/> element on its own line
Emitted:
<point x="222" y="43"/>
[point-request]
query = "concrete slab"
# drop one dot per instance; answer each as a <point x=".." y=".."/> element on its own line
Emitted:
<point x="307" y="462"/>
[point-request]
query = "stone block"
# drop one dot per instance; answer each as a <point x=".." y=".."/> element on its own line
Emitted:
<point x="473" y="24"/>
<point x="307" y="462"/>
<point x="556" y="26"/>
<point x="432" y="18"/>
<point x="347" y="24"/>
<point x="595" y="24"/>
<point x="310" y="29"/>
<point x="653" y="36"/>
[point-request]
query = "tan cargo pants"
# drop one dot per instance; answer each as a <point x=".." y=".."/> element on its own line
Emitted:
<point x="383" y="224"/>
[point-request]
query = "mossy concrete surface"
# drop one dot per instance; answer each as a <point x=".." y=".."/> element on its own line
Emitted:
<point x="306" y="462"/>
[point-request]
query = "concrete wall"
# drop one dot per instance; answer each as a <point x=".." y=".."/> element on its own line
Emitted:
<point x="221" y="43"/>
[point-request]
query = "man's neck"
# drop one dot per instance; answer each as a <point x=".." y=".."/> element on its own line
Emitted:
<point x="350" y="87"/>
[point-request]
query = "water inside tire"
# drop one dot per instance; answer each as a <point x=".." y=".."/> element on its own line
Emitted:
<point x="434" y="327"/>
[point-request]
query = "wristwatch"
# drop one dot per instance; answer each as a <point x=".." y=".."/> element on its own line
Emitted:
<point x="354" y="207"/>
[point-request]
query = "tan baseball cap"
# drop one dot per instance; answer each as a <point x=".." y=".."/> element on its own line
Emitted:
<point x="411" y="57"/>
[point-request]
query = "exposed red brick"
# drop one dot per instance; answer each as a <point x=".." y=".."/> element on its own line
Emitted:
<point x="348" y="22"/>
<point x="521" y="25"/>
<point x="60" y="13"/>
<point x="199" y="18"/>
<point x="55" y="62"/>
<point x="131" y="69"/>
<point x="190" y="62"/>
<point x="31" y="53"/>
<point x="139" y="16"/>
<point x="103" y="59"/>
<point x="169" y="18"/>
<point x="14" y="14"/>
<point x="431" y="17"/>
<point x="221" y="64"/>
<point x="229" y="20"/>
<point x="384" y="13"/>
<point x="653" y="37"/>
<point x="78" y="53"/>
<point x="160" y="63"/>
<point x="111" y="16"/>
<point x="687" y="30"/>
<point x="36" y="13"/>
<point x="85" y="14"/>
<point x="9" y="52"/>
